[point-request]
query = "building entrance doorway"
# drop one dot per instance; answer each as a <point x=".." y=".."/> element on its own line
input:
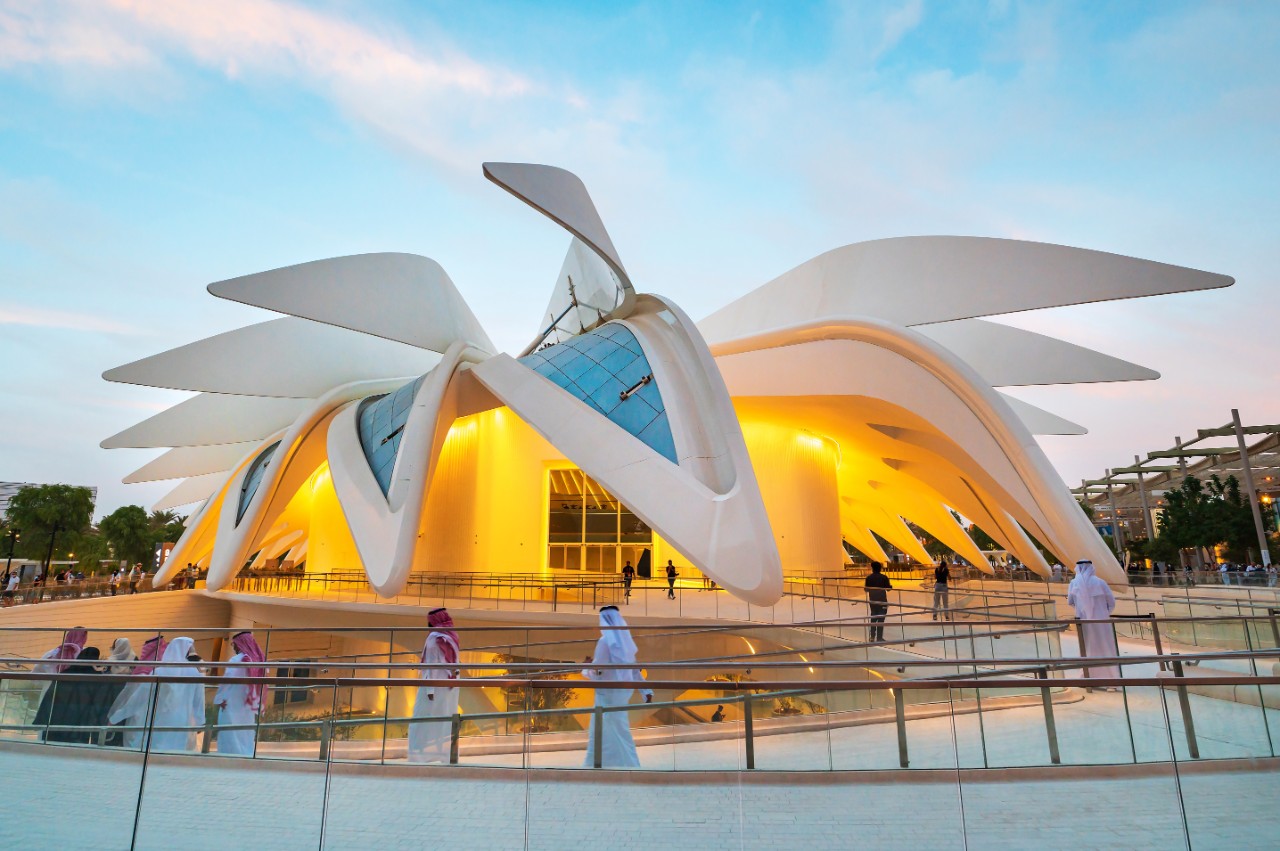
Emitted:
<point x="588" y="529"/>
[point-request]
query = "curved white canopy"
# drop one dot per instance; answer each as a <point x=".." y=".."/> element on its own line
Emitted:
<point x="401" y="297"/>
<point x="1011" y="357"/>
<point x="916" y="280"/>
<point x="208" y="419"/>
<point x="186" y="461"/>
<point x="192" y="490"/>
<point x="282" y="357"/>
<point x="1039" y="421"/>
<point x="562" y="197"/>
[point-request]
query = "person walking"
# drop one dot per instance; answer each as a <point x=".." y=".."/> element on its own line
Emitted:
<point x="132" y="706"/>
<point x="239" y="704"/>
<point x="877" y="585"/>
<point x="431" y="741"/>
<point x="178" y="705"/>
<point x="615" y="647"/>
<point x="942" y="591"/>
<point x="628" y="576"/>
<point x="671" y="580"/>
<point x="135" y="576"/>
<point x="80" y="704"/>
<point x="1092" y="600"/>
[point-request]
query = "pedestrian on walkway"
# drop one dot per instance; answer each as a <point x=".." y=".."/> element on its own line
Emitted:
<point x="1093" y="601"/>
<point x="671" y="580"/>
<point x="628" y="576"/>
<point x="135" y="576"/>
<point x="431" y="741"/>
<point x="615" y="647"/>
<point x="877" y="585"/>
<point x="179" y="705"/>
<point x="942" y="591"/>
<point x="132" y="706"/>
<point x="239" y="704"/>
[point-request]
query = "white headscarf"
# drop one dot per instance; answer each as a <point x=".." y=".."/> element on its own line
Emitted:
<point x="622" y="647"/>
<point x="1086" y="582"/>
<point x="121" y="651"/>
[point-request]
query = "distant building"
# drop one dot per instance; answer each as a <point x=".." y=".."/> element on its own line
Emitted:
<point x="8" y="490"/>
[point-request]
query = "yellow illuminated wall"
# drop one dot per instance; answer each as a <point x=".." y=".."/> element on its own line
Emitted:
<point x="486" y="509"/>
<point x="314" y="510"/>
<point x="487" y="506"/>
<point x="796" y="470"/>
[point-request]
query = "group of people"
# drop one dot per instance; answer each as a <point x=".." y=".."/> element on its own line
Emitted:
<point x="629" y="576"/>
<point x="144" y="712"/>
<point x="1248" y="574"/>
<point x="613" y="661"/>
<point x="125" y="577"/>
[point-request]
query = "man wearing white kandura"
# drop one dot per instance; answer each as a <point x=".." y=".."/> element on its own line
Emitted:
<point x="615" y="647"/>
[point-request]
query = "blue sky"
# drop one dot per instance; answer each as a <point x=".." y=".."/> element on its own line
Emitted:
<point x="147" y="149"/>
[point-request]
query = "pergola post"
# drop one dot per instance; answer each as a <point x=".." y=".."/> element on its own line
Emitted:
<point x="1117" y="538"/>
<point x="1142" y="494"/>
<point x="1253" y="492"/>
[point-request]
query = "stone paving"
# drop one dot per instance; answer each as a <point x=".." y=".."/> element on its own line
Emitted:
<point x="210" y="804"/>
<point x="193" y="802"/>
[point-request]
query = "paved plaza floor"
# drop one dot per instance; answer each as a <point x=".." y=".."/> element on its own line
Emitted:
<point x="217" y="804"/>
<point x="1098" y="800"/>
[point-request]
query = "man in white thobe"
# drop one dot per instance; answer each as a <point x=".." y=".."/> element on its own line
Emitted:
<point x="430" y="741"/>
<point x="1092" y="599"/>
<point x="178" y="704"/>
<point x="238" y="703"/>
<point x="132" y="706"/>
<point x="615" y="647"/>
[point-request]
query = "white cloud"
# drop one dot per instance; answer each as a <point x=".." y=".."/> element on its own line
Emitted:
<point x="39" y="317"/>
<point x="425" y="96"/>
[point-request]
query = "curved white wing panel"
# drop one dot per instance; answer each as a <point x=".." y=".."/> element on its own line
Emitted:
<point x="192" y="490"/>
<point x="240" y="525"/>
<point x="561" y="196"/>
<point x="401" y="297"/>
<point x="921" y="279"/>
<point x="187" y="461"/>
<point x="1009" y="357"/>
<point x="1040" y="421"/>
<point x="385" y="527"/>
<point x="872" y="361"/>
<point x="283" y="357"/>
<point x="586" y="293"/>
<point x="209" y="419"/>
<point x="709" y="505"/>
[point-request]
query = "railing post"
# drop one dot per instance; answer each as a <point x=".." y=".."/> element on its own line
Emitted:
<point x="900" y="711"/>
<point x="1155" y="634"/>
<point x="208" y="738"/>
<point x="748" y="731"/>
<point x="1050" y="727"/>
<point x="1184" y="703"/>
<point x="326" y="734"/>
<point x="455" y="730"/>
<point x="598" y="761"/>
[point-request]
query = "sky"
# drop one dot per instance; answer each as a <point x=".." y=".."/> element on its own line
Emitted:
<point x="147" y="149"/>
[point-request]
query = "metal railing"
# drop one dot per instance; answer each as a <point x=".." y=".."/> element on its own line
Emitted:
<point x="801" y="699"/>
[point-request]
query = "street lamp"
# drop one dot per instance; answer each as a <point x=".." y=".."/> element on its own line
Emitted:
<point x="48" y="561"/>
<point x="13" y="536"/>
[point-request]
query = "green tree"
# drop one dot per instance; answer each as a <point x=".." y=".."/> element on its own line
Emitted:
<point x="45" y="514"/>
<point x="1203" y="514"/>
<point x="91" y="551"/>
<point x="166" y="526"/>
<point x="128" y="531"/>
